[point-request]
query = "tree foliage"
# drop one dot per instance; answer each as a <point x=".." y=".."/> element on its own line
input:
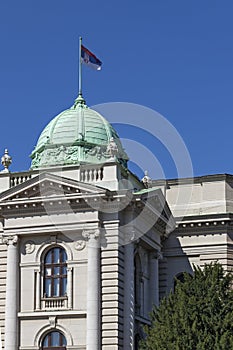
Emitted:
<point x="197" y="315"/>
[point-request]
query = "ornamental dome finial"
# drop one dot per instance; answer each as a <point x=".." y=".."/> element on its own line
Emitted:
<point x="80" y="102"/>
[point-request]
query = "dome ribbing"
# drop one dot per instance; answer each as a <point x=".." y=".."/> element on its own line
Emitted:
<point x="77" y="135"/>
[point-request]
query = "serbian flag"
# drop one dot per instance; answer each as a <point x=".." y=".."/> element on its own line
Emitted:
<point x="90" y="59"/>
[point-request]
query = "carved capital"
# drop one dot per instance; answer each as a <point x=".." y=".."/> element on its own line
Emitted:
<point x="10" y="240"/>
<point x="157" y="255"/>
<point x="91" y="234"/>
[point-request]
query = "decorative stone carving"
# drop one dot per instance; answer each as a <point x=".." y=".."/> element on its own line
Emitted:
<point x="80" y="245"/>
<point x="99" y="152"/>
<point x="6" y="161"/>
<point x="112" y="148"/>
<point x="53" y="239"/>
<point x="92" y="236"/>
<point x="72" y="155"/>
<point x="95" y="151"/>
<point x="88" y="234"/>
<point x="29" y="247"/>
<point x="36" y="160"/>
<point x="53" y="156"/>
<point x="10" y="240"/>
<point x="52" y="321"/>
<point x="147" y="180"/>
<point x="128" y="236"/>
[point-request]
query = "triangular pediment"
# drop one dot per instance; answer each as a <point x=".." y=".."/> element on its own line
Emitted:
<point x="49" y="185"/>
<point x="155" y="201"/>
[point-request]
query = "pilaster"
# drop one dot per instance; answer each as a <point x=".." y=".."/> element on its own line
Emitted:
<point x="112" y="287"/>
<point x="154" y="279"/>
<point x="11" y="324"/>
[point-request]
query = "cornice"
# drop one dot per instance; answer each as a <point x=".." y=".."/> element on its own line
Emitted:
<point x="46" y="313"/>
<point x="194" y="180"/>
<point x="205" y="221"/>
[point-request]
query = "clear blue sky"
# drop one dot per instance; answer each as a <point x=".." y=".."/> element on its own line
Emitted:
<point x="175" y="57"/>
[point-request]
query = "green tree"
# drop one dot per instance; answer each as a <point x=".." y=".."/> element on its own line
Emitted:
<point x="198" y="315"/>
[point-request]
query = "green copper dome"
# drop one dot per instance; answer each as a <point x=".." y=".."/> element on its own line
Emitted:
<point x="77" y="135"/>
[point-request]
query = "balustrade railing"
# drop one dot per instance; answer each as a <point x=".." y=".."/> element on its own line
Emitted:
<point x="54" y="303"/>
<point x="18" y="179"/>
<point x="92" y="174"/>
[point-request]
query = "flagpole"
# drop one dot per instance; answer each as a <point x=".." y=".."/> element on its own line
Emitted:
<point x="0" y="339"/>
<point x="80" y="67"/>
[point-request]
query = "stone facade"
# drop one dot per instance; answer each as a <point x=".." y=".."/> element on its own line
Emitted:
<point x="110" y="237"/>
<point x="202" y="208"/>
<point x="121" y="245"/>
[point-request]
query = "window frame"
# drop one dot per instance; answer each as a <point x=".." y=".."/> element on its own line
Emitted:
<point x="56" y="290"/>
<point x="62" y="340"/>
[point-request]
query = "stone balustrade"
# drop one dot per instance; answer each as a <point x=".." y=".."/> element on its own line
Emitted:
<point x="54" y="303"/>
<point x="16" y="179"/>
<point x="91" y="174"/>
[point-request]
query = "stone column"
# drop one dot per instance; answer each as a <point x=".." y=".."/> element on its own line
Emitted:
<point x="11" y="324"/>
<point x="93" y="290"/>
<point x="129" y="297"/>
<point x="154" y="279"/>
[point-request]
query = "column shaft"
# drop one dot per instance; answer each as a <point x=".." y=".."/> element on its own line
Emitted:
<point x="93" y="293"/>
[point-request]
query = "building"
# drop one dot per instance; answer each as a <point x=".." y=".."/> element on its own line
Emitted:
<point x="84" y="255"/>
<point x="202" y="208"/>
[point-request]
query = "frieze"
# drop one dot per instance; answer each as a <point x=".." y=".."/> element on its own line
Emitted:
<point x="67" y="155"/>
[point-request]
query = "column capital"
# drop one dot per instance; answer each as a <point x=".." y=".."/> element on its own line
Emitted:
<point x="156" y="255"/>
<point x="91" y="234"/>
<point x="10" y="240"/>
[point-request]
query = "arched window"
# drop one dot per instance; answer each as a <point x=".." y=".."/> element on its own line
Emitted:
<point x="55" y="273"/>
<point x="54" y="341"/>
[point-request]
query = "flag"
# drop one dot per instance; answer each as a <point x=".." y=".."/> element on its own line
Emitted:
<point x="90" y="59"/>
